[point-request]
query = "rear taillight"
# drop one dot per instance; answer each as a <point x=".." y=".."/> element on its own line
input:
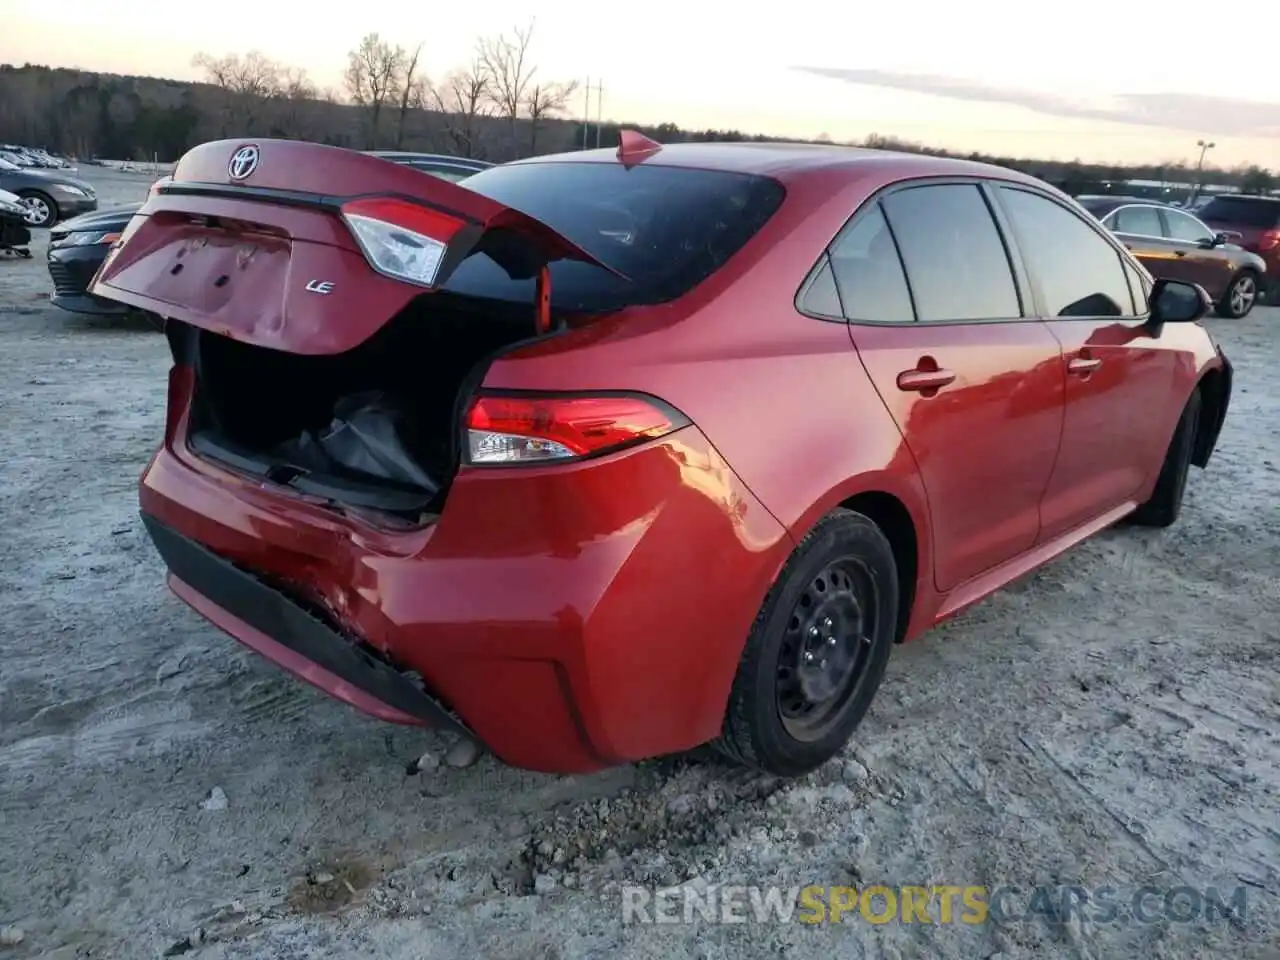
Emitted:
<point x="401" y="239"/>
<point x="1269" y="240"/>
<point x="509" y="428"/>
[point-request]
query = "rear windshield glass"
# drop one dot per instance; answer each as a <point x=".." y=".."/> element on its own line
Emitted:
<point x="1245" y="211"/>
<point x="664" y="228"/>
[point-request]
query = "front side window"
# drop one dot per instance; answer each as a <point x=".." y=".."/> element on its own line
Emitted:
<point x="955" y="259"/>
<point x="1079" y="272"/>
<point x="1183" y="226"/>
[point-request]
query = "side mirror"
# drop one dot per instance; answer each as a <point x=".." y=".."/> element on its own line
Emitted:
<point x="1176" y="301"/>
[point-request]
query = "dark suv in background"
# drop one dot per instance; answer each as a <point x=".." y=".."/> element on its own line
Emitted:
<point x="1257" y="220"/>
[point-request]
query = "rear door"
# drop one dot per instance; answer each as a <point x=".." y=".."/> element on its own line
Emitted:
<point x="973" y="382"/>
<point x="1119" y="374"/>
<point x="1140" y="228"/>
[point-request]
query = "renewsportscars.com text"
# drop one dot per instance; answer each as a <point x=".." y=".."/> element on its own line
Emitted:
<point x="936" y="904"/>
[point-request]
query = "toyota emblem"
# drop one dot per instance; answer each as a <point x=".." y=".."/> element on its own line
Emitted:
<point x="243" y="162"/>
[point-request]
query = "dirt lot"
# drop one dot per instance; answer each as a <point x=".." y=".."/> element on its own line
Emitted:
<point x="1111" y="720"/>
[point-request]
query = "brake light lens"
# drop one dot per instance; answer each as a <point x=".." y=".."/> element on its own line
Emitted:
<point x="401" y="239"/>
<point x="1269" y="240"/>
<point x="510" y="429"/>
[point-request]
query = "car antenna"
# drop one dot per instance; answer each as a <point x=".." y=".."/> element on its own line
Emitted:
<point x="634" y="147"/>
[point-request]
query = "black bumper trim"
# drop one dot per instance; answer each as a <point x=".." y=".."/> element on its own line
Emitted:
<point x="266" y="609"/>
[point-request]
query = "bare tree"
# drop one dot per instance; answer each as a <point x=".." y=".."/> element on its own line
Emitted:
<point x="247" y="83"/>
<point x="542" y="101"/>
<point x="373" y="70"/>
<point x="506" y="62"/>
<point x="463" y="99"/>
<point x="411" y="87"/>
<point x="297" y="108"/>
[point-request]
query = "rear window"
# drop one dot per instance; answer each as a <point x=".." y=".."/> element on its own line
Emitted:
<point x="664" y="228"/>
<point x="1245" y="211"/>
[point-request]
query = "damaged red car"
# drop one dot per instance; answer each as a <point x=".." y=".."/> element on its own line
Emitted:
<point x="607" y="455"/>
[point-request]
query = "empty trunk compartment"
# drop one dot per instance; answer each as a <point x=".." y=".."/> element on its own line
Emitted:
<point x="374" y="427"/>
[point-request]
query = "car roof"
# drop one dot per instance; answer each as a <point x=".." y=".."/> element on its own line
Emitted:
<point x="1101" y="205"/>
<point x="783" y="160"/>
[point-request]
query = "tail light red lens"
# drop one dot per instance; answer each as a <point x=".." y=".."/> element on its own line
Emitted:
<point x="401" y="239"/>
<point x="1269" y="240"/>
<point x="511" y="429"/>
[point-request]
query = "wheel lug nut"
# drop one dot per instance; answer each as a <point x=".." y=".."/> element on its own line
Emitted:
<point x="831" y="641"/>
<point x="827" y="622"/>
<point x="813" y="631"/>
<point x="808" y="657"/>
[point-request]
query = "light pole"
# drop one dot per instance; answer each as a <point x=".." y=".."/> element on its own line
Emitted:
<point x="1205" y="146"/>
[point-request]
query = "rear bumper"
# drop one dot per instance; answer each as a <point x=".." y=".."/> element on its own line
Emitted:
<point x="285" y="632"/>
<point x="571" y="618"/>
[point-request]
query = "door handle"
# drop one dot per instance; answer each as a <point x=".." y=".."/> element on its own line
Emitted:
<point x="1083" y="366"/>
<point x="920" y="380"/>
<point x="1179" y="253"/>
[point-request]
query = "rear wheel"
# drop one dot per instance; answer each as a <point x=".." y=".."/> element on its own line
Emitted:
<point x="41" y="210"/>
<point x="817" y="652"/>
<point x="1166" y="501"/>
<point x="1240" y="297"/>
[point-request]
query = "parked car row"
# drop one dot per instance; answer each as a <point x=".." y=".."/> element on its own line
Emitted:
<point x="32" y="157"/>
<point x="77" y="247"/>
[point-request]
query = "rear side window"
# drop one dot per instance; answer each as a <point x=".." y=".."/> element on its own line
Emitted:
<point x="665" y="229"/>
<point x="868" y="272"/>
<point x="954" y="257"/>
<point x="1245" y="211"/>
<point x="1080" y="273"/>
<point x="1140" y="221"/>
<point x="821" y="299"/>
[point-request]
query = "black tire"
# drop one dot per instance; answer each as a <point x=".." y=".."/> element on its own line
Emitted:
<point x="42" y="202"/>
<point x="1240" y="297"/>
<point x="1166" y="501"/>
<point x="841" y="580"/>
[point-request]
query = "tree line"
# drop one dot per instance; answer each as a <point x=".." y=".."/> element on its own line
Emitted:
<point x="497" y="106"/>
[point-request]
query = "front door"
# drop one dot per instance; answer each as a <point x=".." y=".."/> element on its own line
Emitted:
<point x="974" y="387"/>
<point x="1117" y="374"/>
<point x="1196" y="252"/>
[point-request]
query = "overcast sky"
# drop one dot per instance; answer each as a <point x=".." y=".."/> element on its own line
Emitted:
<point x="1096" y="80"/>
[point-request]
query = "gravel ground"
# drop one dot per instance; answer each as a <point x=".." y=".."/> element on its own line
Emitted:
<point x="1110" y="720"/>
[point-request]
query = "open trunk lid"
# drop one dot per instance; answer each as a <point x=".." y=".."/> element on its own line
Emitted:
<point x="310" y="249"/>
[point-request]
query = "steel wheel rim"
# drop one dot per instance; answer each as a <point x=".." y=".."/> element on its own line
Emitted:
<point x="826" y="649"/>
<point x="1242" y="295"/>
<point x="37" y="210"/>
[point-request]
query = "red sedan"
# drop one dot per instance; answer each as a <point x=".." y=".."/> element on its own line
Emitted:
<point x="606" y="455"/>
